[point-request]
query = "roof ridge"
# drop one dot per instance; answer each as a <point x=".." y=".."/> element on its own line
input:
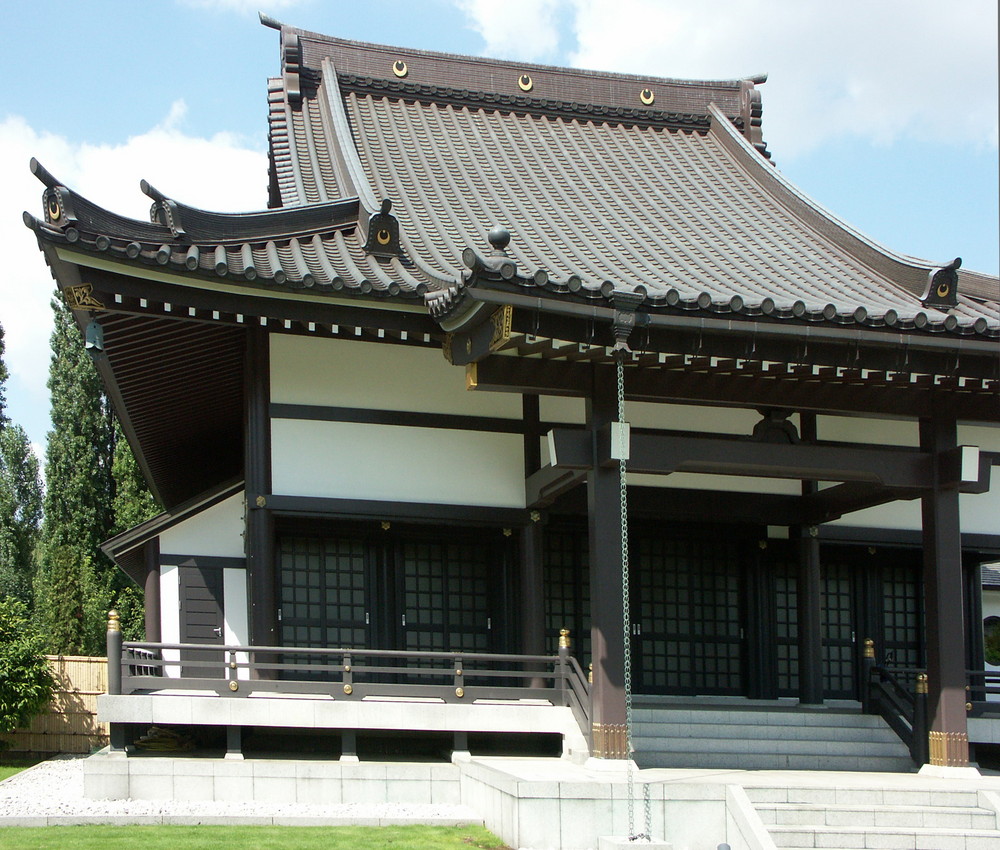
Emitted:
<point x="734" y="83"/>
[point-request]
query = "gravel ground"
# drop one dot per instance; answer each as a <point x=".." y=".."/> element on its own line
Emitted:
<point x="52" y="792"/>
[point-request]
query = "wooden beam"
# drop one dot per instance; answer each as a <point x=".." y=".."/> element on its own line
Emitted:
<point x="513" y="374"/>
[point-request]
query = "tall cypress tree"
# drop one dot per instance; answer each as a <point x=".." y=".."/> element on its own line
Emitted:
<point x="20" y="501"/>
<point x="81" y="502"/>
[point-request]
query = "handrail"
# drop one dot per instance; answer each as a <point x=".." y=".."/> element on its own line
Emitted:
<point x="903" y="709"/>
<point x="234" y="670"/>
<point x="981" y="685"/>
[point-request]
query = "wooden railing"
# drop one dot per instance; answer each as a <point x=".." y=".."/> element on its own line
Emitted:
<point x="351" y="674"/>
<point x="983" y="692"/>
<point x="899" y="696"/>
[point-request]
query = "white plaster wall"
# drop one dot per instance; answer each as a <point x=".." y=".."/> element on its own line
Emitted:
<point x="170" y="616"/>
<point x="396" y="463"/>
<point x="882" y="432"/>
<point x="216" y="531"/>
<point x="375" y="376"/>
<point x="234" y="607"/>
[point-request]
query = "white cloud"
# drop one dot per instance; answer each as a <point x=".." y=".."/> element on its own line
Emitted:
<point x="515" y="29"/>
<point x="885" y="70"/>
<point x="215" y="173"/>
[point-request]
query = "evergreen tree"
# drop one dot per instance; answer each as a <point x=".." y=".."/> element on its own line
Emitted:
<point x="20" y="511"/>
<point x="94" y="490"/>
<point x="20" y="502"/>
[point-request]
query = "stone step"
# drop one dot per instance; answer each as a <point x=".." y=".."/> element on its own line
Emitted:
<point x="860" y="796"/>
<point x="817" y="814"/>
<point x="775" y="761"/>
<point x="650" y="730"/>
<point x="754" y="718"/>
<point x="799" y="746"/>
<point x="844" y="838"/>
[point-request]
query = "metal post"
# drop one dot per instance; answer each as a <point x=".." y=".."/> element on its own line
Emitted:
<point x="867" y="665"/>
<point x="919" y="749"/>
<point x="563" y="668"/>
<point x="114" y="653"/>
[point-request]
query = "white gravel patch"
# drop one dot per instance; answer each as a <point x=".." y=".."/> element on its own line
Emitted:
<point x="52" y="792"/>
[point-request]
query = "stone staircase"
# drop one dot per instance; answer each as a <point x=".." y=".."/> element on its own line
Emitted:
<point x="765" y="737"/>
<point x="876" y="817"/>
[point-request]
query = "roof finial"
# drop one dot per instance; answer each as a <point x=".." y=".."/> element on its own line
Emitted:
<point x="499" y="237"/>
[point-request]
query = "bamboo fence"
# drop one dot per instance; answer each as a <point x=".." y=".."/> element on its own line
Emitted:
<point x="69" y="725"/>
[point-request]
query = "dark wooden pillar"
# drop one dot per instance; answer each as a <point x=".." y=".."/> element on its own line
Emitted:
<point x="606" y="611"/>
<point x="259" y="539"/>
<point x="945" y="614"/>
<point x="532" y="601"/>
<point x="809" y="590"/>
<point x="151" y="590"/>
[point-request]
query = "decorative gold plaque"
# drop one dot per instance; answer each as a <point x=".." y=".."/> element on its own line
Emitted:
<point x="647" y="97"/>
<point x="81" y="298"/>
<point x="399" y="68"/>
<point x="525" y="83"/>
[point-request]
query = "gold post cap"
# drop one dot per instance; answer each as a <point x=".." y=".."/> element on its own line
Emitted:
<point x="869" y="648"/>
<point x="564" y="638"/>
<point x="921" y="683"/>
<point x="114" y="621"/>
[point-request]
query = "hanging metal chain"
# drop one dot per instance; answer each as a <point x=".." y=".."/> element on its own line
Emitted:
<point x="627" y="615"/>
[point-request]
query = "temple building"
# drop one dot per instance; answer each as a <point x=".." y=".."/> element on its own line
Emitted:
<point x="385" y="413"/>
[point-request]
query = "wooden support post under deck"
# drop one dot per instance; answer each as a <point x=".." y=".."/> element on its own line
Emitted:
<point x="259" y="540"/>
<point x="606" y="611"/>
<point x="151" y="590"/>
<point x="946" y="657"/>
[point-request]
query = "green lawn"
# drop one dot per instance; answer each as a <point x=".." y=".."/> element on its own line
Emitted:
<point x="248" y="838"/>
<point x="8" y="767"/>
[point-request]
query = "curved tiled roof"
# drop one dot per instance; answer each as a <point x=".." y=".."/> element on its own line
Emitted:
<point x="606" y="183"/>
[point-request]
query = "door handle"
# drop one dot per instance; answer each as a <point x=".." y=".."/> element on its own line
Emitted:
<point x="218" y="631"/>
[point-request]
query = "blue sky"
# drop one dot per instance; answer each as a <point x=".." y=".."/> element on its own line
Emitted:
<point x="885" y="112"/>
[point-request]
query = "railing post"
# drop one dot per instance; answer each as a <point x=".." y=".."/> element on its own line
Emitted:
<point x="348" y="675"/>
<point x="563" y="668"/>
<point x="114" y="653"/>
<point x="920" y="749"/>
<point x="459" y="681"/>
<point x="867" y="665"/>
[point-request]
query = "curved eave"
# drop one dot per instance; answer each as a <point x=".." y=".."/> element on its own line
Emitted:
<point x="319" y="263"/>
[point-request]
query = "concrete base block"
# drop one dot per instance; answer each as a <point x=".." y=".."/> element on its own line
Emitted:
<point x="943" y="772"/>
<point x="609" y="765"/>
<point x="606" y="842"/>
<point x="347" y="759"/>
<point x="234" y="756"/>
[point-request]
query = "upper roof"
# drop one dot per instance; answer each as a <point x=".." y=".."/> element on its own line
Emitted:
<point x="606" y="183"/>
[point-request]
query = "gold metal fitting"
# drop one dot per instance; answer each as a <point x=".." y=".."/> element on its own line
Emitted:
<point x="460" y="692"/>
<point x="347" y="668"/>
<point x="921" y="683"/>
<point x="590" y="673"/>
<point x="647" y="97"/>
<point x="507" y="532"/>
<point x="234" y="686"/>
<point x="261" y="502"/>
<point x="386" y="525"/>
<point x="872" y="550"/>
<point x="232" y="665"/>
<point x="535" y="516"/>
<point x="399" y="68"/>
<point x="458" y="671"/>
<point x="564" y="638"/>
<point x="525" y="83"/>
<point x="761" y="544"/>
<point x="348" y="689"/>
<point x="114" y="621"/>
<point x="968" y="706"/>
<point x="869" y="648"/>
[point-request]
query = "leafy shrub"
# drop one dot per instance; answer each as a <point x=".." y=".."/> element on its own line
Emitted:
<point x="26" y="683"/>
